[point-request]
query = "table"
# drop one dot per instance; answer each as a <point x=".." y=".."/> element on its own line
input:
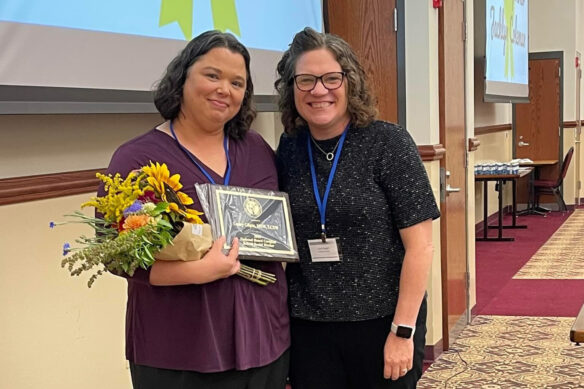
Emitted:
<point x="500" y="179"/>
<point x="532" y="209"/>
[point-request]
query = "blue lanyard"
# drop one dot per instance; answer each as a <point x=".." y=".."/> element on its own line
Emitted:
<point x="201" y="168"/>
<point x="322" y="204"/>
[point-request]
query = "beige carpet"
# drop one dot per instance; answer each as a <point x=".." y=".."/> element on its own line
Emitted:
<point x="510" y="352"/>
<point x="562" y="256"/>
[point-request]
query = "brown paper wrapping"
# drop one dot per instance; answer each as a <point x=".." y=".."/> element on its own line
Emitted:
<point x="190" y="244"/>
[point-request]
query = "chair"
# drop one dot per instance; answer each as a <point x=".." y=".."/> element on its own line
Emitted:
<point x="553" y="186"/>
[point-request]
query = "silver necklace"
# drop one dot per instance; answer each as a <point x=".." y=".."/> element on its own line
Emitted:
<point x="330" y="155"/>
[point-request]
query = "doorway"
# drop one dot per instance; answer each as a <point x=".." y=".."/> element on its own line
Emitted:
<point x="538" y="125"/>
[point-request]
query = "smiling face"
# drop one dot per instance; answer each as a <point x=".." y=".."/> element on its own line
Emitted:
<point x="214" y="89"/>
<point x="325" y="111"/>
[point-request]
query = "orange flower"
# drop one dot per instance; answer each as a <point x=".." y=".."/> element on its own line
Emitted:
<point x="136" y="221"/>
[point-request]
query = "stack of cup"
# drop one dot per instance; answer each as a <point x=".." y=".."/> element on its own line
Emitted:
<point x="485" y="168"/>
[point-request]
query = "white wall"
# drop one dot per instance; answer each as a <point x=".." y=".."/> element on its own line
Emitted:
<point x="268" y="124"/>
<point x="552" y="27"/>
<point x="570" y="180"/>
<point x="434" y="286"/>
<point x="422" y="99"/>
<point x="40" y="144"/>
<point x="488" y="114"/>
<point x="54" y="331"/>
<point x="422" y="119"/>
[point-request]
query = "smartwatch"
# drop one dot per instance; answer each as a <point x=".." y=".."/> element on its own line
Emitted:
<point x="403" y="331"/>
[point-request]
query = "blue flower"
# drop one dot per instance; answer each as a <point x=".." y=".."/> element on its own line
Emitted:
<point x="135" y="207"/>
<point x="52" y="225"/>
<point x="66" y="249"/>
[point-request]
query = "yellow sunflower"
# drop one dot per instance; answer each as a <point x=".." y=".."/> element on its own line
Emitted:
<point x="184" y="198"/>
<point x="158" y="176"/>
<point x="192" y="216"/>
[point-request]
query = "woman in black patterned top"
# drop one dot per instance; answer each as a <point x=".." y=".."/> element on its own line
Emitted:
<point x="363" y="208"/>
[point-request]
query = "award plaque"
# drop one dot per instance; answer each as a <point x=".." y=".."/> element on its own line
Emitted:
<point x="260" y="219"/>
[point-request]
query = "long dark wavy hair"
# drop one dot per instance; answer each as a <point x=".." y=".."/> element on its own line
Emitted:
<point x="361" y="103"/>
<point x="169" y="91"/>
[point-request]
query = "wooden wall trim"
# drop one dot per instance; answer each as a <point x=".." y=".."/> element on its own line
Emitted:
<point x="473" y="144"/>
<point x="573" y="124"/>
<point x="506" y="127"/>
<point x="492" y="129"/>
<point x="47" y="186"/>
<point x="431" y="152"/>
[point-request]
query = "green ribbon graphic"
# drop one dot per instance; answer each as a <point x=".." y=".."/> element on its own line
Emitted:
<point x="181" y="11"/>
<point x="225" y="16"/>
<point x="509" y="13"/>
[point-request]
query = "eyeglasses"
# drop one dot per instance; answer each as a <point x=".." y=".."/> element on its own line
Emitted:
<point x="331" y="81"/>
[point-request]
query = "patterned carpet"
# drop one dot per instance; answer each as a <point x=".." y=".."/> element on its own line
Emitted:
<point x="510" y="352"/>
<point x="562" y="256"/>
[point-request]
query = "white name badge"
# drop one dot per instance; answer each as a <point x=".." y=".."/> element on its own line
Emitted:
<point x="324" y="252"/>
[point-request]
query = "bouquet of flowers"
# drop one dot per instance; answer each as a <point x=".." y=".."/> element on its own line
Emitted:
<point x="144" y="218"/>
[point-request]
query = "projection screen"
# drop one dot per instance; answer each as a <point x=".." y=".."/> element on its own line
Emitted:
<point x="106" y="55"/>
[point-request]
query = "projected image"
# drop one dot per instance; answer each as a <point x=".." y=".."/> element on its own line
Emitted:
<point x="264" y="24"/>
<point x="127" y="44"/>
<point x="506" y="43"/>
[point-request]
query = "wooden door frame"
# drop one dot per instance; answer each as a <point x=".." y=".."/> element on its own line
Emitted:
<point x="447" y="333"/>
<point x="559" y="55"/>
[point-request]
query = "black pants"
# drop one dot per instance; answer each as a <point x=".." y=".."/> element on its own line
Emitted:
<point x="349" y="355"/>
<point x="272" y="376"/>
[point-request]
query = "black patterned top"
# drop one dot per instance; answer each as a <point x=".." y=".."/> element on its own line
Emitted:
<point x="380" y="187"/>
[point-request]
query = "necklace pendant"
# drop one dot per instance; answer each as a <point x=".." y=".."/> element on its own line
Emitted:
<point x="330" y="156"/>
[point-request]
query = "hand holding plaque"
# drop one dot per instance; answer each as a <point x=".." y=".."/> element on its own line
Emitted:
<point x="261" y="219"/>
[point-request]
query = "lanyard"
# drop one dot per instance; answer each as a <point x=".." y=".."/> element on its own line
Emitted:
<point x="322" y="204"/>
<point x="201" y="168"/>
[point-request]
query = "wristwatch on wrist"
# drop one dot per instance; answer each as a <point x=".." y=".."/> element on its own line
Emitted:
<point x="402" y="330"/>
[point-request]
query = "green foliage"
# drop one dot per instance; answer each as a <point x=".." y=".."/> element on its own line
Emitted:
<point x="122" y="254"/>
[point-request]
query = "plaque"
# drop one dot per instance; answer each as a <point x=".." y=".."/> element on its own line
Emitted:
<point x="261" y="219"/>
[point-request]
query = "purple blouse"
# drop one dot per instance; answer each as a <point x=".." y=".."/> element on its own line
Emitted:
<point x="227" y="324"/>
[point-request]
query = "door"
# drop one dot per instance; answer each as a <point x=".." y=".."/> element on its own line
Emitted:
<point x="453" y="165"/>
<point x="537" y="124"/>
<point x="368" y="26"/>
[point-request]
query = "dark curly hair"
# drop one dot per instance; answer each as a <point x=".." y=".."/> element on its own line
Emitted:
<point x="169" y="91"/>
<point x="361" y="103"/>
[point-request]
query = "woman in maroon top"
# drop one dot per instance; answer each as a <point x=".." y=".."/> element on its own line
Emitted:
<point x="195" y="324"/>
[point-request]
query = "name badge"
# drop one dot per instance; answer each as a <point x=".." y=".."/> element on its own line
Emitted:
<point x="324" y="251"/>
